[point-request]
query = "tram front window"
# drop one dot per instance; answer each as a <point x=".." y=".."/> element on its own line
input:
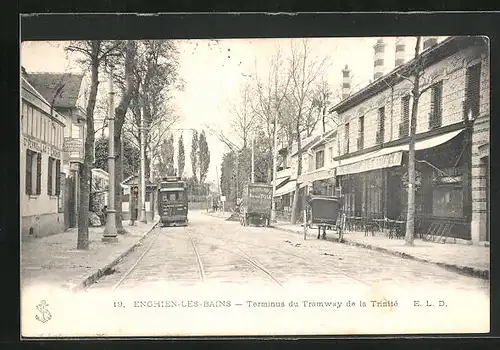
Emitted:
<point x="175" y="196"/>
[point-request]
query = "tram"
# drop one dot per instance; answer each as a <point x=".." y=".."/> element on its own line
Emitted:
<point x="173" y="201"/>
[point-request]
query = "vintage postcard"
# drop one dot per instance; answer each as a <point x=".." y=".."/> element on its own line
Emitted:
<point x="255" y="187"/>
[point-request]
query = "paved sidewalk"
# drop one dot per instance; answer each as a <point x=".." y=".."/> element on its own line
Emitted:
<point x="55" y="260"/>
<point x="469" y="259"/>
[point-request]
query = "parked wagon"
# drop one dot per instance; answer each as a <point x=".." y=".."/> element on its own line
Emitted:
<point x="326" y="212"/>
<point x="256" y="204"/>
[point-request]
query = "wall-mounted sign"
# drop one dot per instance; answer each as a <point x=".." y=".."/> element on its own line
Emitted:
<point x="72" y="144"/>
<point x="222" y="198"/>
<point x="41" y="147"/>
<point x="448" y="180"/>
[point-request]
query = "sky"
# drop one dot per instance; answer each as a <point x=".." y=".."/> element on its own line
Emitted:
<point x="215" y="72"/>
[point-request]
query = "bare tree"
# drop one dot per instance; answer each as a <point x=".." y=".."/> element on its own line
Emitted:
<point x="305" y="73"/>
<point x="268" y="104"/>
<point x="243" y="122"/>
<point x="410" y="216"/>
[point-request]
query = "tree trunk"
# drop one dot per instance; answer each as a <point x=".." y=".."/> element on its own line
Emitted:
<point x="120" y="113"/>
<point x="118" y="187"/>
<point x="295" y="204"/>
<point x="83" y="215"/>
<point x="410" y="216"/>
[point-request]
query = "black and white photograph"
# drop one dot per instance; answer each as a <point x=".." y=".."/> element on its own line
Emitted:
<point x="255" y="186"/>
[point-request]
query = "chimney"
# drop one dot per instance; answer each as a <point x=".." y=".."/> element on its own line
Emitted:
<point x="24" y="74"/>
<point x="378" y="63"/>
<point x="346" y="82"/>
<point x="429" y="41"/>
<point x="400" y="52"/>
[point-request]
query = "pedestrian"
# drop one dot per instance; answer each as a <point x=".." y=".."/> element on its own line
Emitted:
<point x="104" y="212"/>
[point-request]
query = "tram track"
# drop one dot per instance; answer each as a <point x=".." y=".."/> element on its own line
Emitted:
<point x="303" y="258"/>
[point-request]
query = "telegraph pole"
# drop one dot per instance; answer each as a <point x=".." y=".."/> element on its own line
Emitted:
<point x="110" y="230"/>
<point x="143" y="173"/>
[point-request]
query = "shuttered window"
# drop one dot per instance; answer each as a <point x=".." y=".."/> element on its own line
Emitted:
<point x="435" y="119"/>
<point x="472" y="90"/>
<point x="58" y="177"/>
<point x="49" y="175"/>
<point x="38" y="173"/>
<point x="405" y="116"/>
<point x="29" y="173"/>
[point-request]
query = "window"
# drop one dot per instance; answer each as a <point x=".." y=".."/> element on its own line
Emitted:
<point x="320" y="159"/>
<point x="330" y="152"/>
<point x="472" y="90"/>
<point x="24" y="117"/>
<point x="53" y="177"/>
<point x="346" y="138"/>
<point x="58" y="177"/>
<point x="175" y="196"/>
<point x="29" y="118"/>
<point x="361" y="132"/>
<point x="75" y="131"/>
<point x="404" y="126"/>
<point x="435" y="119"/>
<point x="381" y="125"/>
<point x="33" y="172"/>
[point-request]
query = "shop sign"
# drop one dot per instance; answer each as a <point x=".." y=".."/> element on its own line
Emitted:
<point x="448" y="180"/>
<point x="72" y="144"/>
<point x="38" y="146"/>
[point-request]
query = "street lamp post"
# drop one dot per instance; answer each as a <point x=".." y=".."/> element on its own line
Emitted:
<point x="110" y="230"/>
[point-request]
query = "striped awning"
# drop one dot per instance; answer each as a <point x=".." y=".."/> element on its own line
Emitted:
<point x="287" y="188"/>
<point x="390" y="156"/>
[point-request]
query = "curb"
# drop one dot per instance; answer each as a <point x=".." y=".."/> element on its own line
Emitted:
<point x="464" y="270"/>
<point x="100" y="272"/>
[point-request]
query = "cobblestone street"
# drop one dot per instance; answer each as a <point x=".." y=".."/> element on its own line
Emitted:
<point x="213" y="250"/>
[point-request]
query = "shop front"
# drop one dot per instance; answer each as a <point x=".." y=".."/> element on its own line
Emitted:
<point x="376" y="187"/>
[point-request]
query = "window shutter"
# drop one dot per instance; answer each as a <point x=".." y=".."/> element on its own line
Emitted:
<point x="29" y="175"/>
<point x="49" y="176"/>
<point x="58" y="177"/>
<point x="38" y="173"/>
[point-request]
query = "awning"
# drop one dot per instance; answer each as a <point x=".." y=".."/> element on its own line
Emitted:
<point x="380" y="162"/>
<point x="287" y="188"/>
<point x="390" y="156"/>
<point x="279" y="181"/>
<point x="317" y="175"/>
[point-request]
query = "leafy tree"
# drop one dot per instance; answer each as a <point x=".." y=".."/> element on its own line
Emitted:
<point x="130" y="153"/>
<point x="204" y="156"/>
<point x="195" y="154"/>
<point x="181" y="157"/>
<point x="95" y="55"/>
<point x="166" y="159"/>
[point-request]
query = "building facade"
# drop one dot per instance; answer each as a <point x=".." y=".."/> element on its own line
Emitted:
<point x="41" y="156"/>
<point x="67" y="94"/>
<point x="451" y="148"/>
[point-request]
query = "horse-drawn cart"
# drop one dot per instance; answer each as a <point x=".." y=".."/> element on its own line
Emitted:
<point x="326" y="212"/>
<point x="256" y="204"/>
